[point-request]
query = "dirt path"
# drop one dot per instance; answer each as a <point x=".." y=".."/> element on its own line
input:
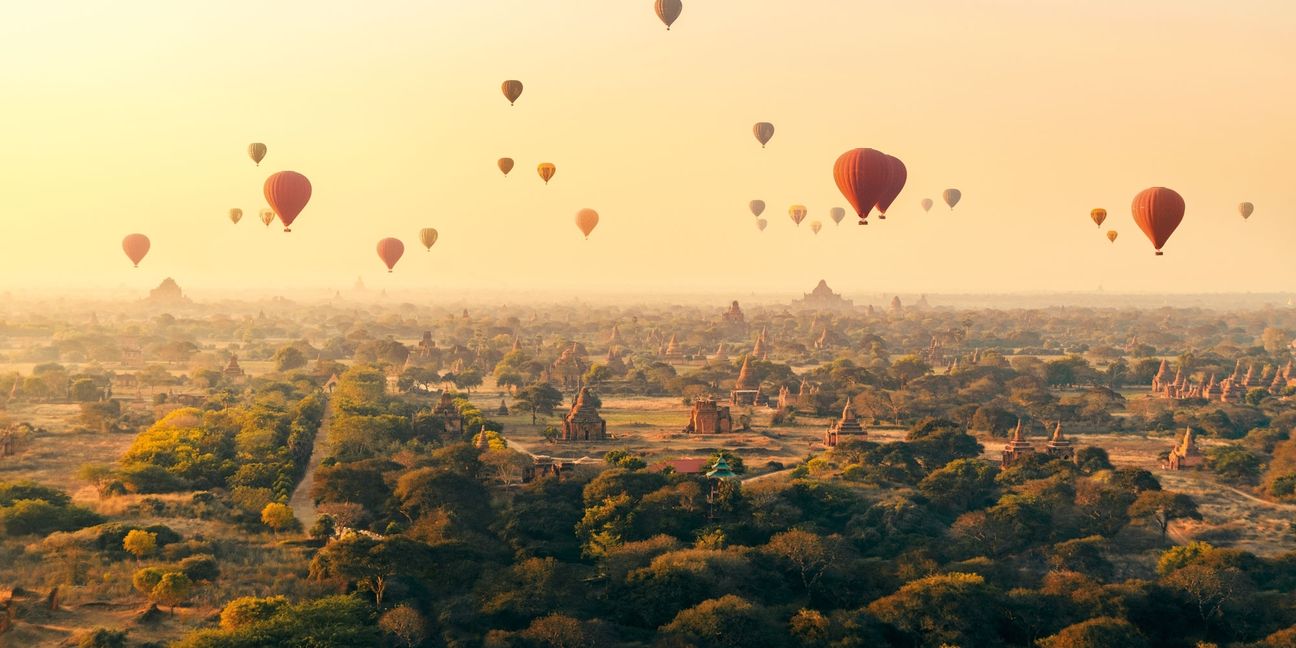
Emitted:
<point x="302" y="504"/>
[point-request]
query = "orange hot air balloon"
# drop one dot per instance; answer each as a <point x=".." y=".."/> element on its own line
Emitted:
<point x="837" y="214"/>
<point x="861" y="176"/>
<point x="1111" y="235"/>
<point x="952" y="197"/>
<point x="927" y="204"/>
<point x="267" y="217"/>
<point x="587" y="219"/>
<point x="135" y="246"/>
<point x="897" y="175"/>
<point x="669" y="11"/>
<point x="798" y="213"/>
<point x="512" y="90"/>
<point x="390" y="251"/>
<point x="1098" y="215"/>
<point x="257" y="151"/>
<point x="1158" y="212"/>
<point x="763" y="132"/>
<point x="815" y="226"/>
<point x="546" y="171"/>
<point x="757" y="207"/>
<point x="236" y="215"/>
<point x="761" y="223"/>
<point x="505" y="165"/>
<point x="287" y="192"/>
<point x="428" y="237"/>
<point x="1246" y="209"/>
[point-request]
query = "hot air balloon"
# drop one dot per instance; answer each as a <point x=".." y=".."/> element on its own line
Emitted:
<point x="927" y="204"/>
<point x="668" y="11"/>
<point x="390" y="251"/>
<point x="257" y="152"/>
<point x="952" y="197"/>
<point x="586" y="219"/>
<point x="287" y="192"/>
<point x="757" y="207"/>
<point x="546" y="171"/>
<point x="897" y="175"/>
<point x="428" y="237"/>
<point x="267" y="217"/>
<point x="815" y="226"/>
<point x="761" y="223"/>
<point x="763" y="132"/>
<point x="135" y="246"/>
<point x="1246" y="210"/>
<point x="861" y="175"/>
<point x="512" y="90"/>
<point x="1098" y="215"/>
<point x="505" y="165"/>
<point x="1111" y="235"/>
<point x="1158" y="211"/>
<point x="236" y="215"/>
<point x="837" y="214"/>
<point x="798" y="213"/>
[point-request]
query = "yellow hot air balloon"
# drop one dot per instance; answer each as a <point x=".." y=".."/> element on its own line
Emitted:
<point x="267" y="217"/>
<point x="587" y="219"/>
<point x="236" y="215"/>
<point x="798" y="213"/>
<point x="761" y="223"/>
<point x="1111" y="235"/>
<point x="1246" y="209"/>
<point x="763" y="132"/>
<point x="257" y="151"/>
<point x="815" y="226"/>
<point x="512" y="90"/>
<point x="1098" y="215"/>
<point x="546" y="171"/>
<point x="668" y="11"/>
<point x="505" y="165"/>
<point x="429" y="237"/>
<point x="837" y="214"/>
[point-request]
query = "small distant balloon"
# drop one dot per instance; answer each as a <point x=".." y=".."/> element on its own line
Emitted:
<point x="669" y="11"/>
<point x="1246" y="209"/>
<point x="952" y="197"/>
<point x="267" y="216"/>
<point x="390" y="251"/>
<point x="586" y="220"/>
<point x="757" y="207"/>
<point x="1098" y="215"/>
<point x="815" y="226"/>
<point x="798" y="213"/>
<point x="763" y="132"/>
<point x="136" y="246"/>
<point x="235" y="215"/>
<point x="512" y="89"/>
<point x="505" y="165"/>
<point x="837" y="214"/>
<point x="546" y="171"/>
<point x="1158" y="212"/>
<point x="927" y="204"/>
<point x="1111" y="235"/>
<point x="257" y="151"/>
<point x="761" y="223"/>
<point x="287" y="192"/>
<point x="428" y="237"/>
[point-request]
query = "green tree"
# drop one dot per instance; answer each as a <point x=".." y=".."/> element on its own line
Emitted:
<point x="102" y="638"/>
<point x="405" y="625"/>
<point x="140" y="543"/>
<point x="539" y="398"/>
<point x="172" y="589"/>
<point x="289" y="358"/>
<point x="960" y="485"/>
<point x="1164" y="507"/>
<point x="278" y="516"/>
<point x="1101" y="632"/>
<point x="948" y="609"/>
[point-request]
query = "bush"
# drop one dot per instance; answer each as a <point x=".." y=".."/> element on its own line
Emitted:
<point x="38" y="516"/>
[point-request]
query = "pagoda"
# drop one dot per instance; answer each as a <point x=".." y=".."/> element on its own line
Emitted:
<point x="615" y="338"/>
<point x="1185" y="455"/>
<point x="761" y="348"/>
<point x="1059" y="446"/>
<point x="672" y="352"/>
<point x="232" y="368"/>
<point x="452" y="422"/>
<point x="709" y="417"/>
<point x="746" y="390"/>
<point x="734" y="315"/>
<point x="823" y="298"/>
<point x="848" y="425"/>
<point x="1018" y="448"/>
<point x="583" y="422"/>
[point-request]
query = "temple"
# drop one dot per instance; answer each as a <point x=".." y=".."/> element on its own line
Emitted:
<point x="823" y="298"/>
<point x="1232" y="389"/>
<point x="672" y="351"/>
<point x="709" y="417"/>
<point x="734" y="315"/>
<point x="570" y="366"/>
<point x="583" y="422"/>
<point x="168" y="292"/>
<point x="746" y="390"/>
<point x="848" y="425"/>
<point x="232" y="368"/>
<point x="761" y="349"/>
<point x="804" y="399"/>
<point x="1018" y="448"/>
<point x="452" y="422"/>
<point x="1059" y="446"/>
<point x="1185" y="455"/>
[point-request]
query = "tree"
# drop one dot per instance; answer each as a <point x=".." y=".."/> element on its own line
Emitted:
<point x="102" y="638"/>
<point x="1235" y="464"/>
<point x="140" y="543"/>
<point x="1164" y="507"/>
<point x="145" y="579"/>
<point x="729" y="621"/>
<point x="248" y="610"/>
<point x="278" y="516"/>
<point x="405" y="625"/>
<point x="957" y="609"/>
<point x="960" y="485"/>
<point x="1096" y="633"/>
<point x="172" y="589"/>
<point x="371" y="563"/>
<point x="1275" y="340"/>
<point x="288" y="358"/>
<point x="85" y="390"/>
<point x="539" y="398"/>
<point x="907" y="368"/>
<point x="808" y="555"/>
<point x="323" y="528"/>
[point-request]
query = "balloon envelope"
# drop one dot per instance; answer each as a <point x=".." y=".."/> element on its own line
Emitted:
<point x="287" y="192"/>
<point x="757" y="207"/>
<point x="927" y="204"/>
<point x="897" y="175"/>
<point x="267" y="217"/>
<point x="952" y="197"/>
<point x="1246" y="209"/>
<point x="1111" y="235"/>
<point x="428" y="237"/>
<point x="390" y="251"/>
<point x="815" y="226"/>
<point x="763" y="132"/>
<point x="761" y="223"/>
<point x="546" y="171"/>
<point x="135" y="246"/>
<point x="1158" y="212"/>
<point x="1098" y="215"/>
<point x="587" y="219"/>
<point x="838" y="214"/>
<point x="505" y="165"/>
<point x="236" y="215"/>
<point x="798" y="213"/>
<point x="257" y="151"/>
<point x="512" y="89"/>
<point x="861" y="175"/>
<point x="669" y="11"/>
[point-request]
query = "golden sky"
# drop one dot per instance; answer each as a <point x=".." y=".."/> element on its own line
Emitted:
<point x="134" y="116"/>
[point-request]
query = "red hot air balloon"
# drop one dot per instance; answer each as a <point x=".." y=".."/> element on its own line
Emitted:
<point x="390" y="251"/>
<point x="1158" y="211"/>
<point x="896" y="179"/>
<point x="861" y="175"/>
<point x="135" y="246"/>
<point x="287" y="192"/>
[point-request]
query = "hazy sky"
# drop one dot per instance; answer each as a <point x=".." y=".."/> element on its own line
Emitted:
<point x="134" y="116"/>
